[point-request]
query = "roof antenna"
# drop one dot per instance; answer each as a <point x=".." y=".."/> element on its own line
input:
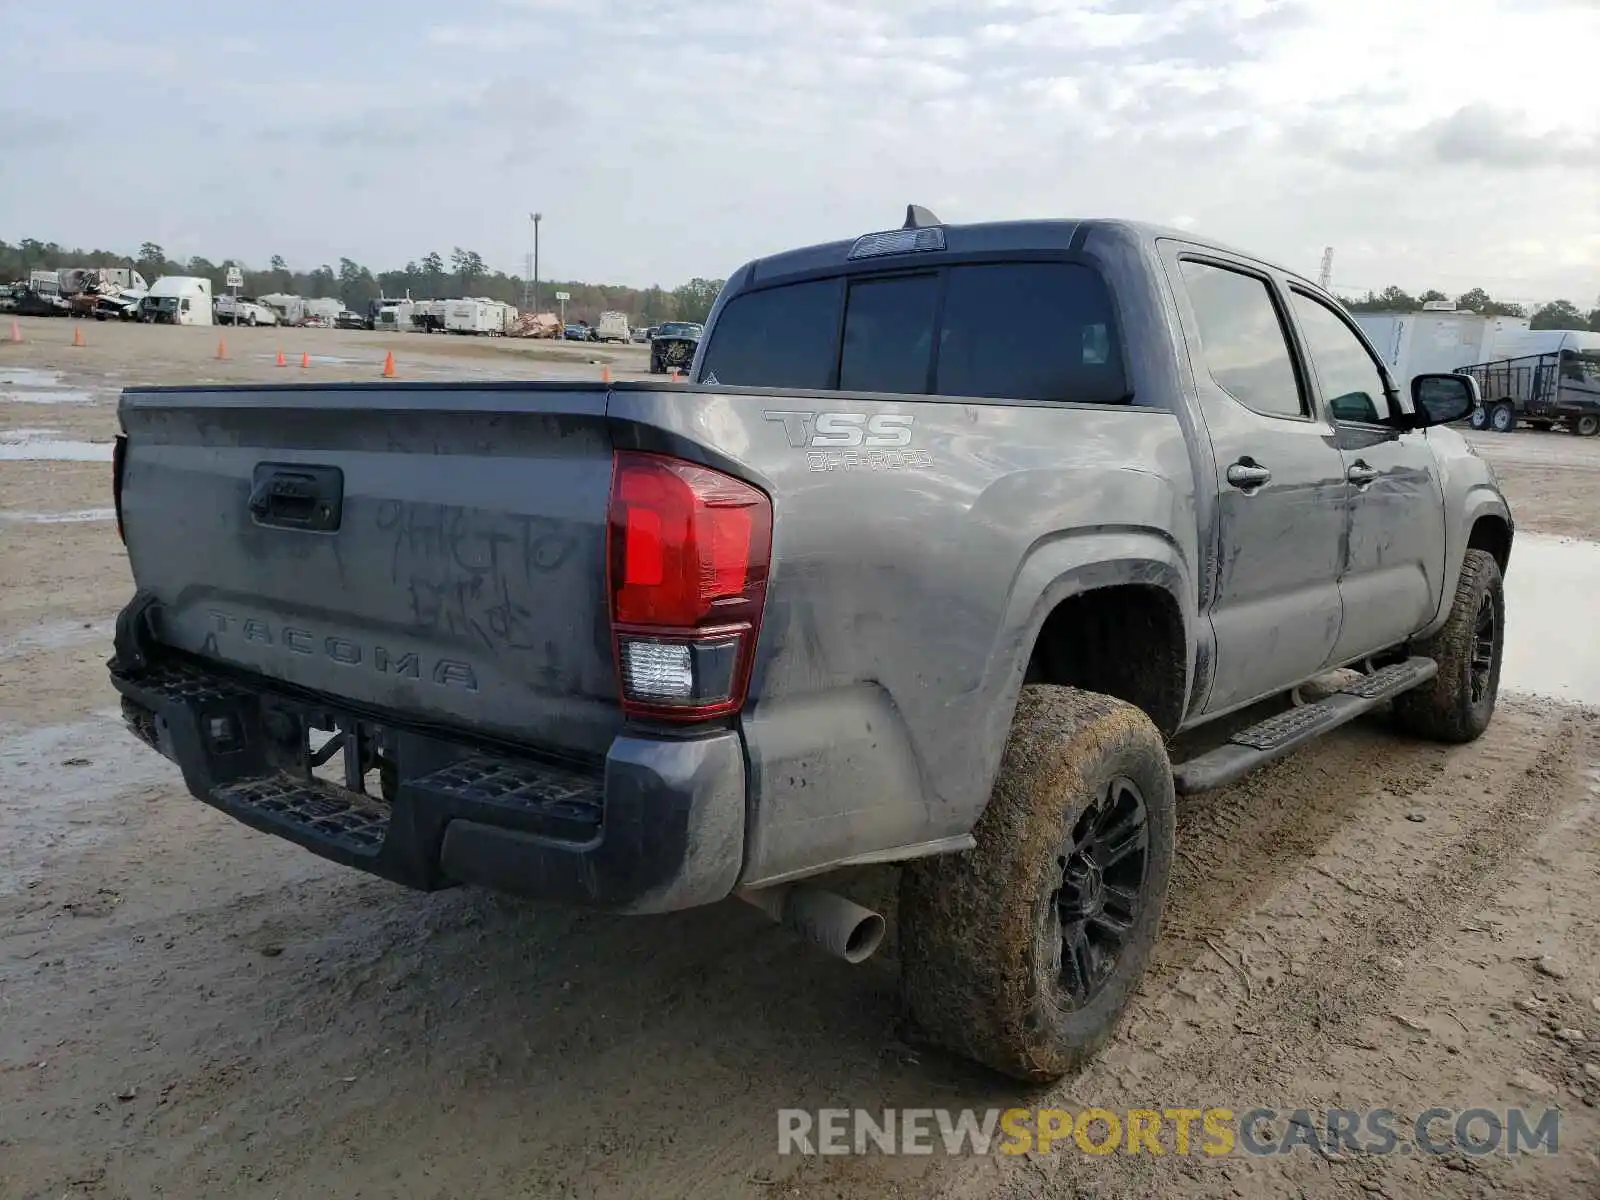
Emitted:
<point x="918" y="217"/>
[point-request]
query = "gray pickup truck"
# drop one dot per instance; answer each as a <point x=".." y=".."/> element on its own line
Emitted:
<point x="951" y="534"/>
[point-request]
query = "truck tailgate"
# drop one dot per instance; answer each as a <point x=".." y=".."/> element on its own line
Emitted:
<point x="434" y="550"/>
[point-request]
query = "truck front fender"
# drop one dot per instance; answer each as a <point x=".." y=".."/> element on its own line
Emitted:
<point x="1466" y="503"/>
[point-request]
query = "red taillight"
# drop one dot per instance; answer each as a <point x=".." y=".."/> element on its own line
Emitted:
<point x="119" y="458"/>
<point x="689" y="551"/>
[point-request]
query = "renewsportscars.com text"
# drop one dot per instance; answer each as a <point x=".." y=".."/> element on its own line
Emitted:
<point x="1211" y="1132"/>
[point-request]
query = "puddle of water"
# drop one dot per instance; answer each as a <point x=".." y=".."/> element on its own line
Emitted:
<point x="42" y="445"/>
<point x="293" y="360"/>
<point x="60" y="518"/>
<point x="56" y="452"/>
<point x="59" y="635"/>
<point x="30" y="377"/>
<point x="26" y="385"/>
<point x="51" y="396"/>
<point x="1550" y="592"/>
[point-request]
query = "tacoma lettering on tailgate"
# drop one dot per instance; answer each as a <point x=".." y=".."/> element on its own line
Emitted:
<point x="445" y="672"/>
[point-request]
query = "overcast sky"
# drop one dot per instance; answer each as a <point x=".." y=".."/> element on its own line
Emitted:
<point x="1430" y="142"/>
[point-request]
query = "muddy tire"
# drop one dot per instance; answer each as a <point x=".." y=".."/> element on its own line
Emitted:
<point x="1459" y="704"/>
<point x="1022" y="953"/>
<point x="1586" y="425"/>
<point x="1479" y="417"/>
<point x="1503" y="417"/>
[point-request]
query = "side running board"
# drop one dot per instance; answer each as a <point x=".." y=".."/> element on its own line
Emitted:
<point x="1277" y="736"/>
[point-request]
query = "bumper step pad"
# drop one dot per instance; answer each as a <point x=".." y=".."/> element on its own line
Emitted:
<point x="324" y="811"/>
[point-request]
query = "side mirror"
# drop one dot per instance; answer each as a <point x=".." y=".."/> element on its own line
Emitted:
<point x="1441" y="399"/>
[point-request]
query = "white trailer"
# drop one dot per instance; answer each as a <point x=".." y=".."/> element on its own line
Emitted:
<point x="428" y="315"/>
<point x="1434" y="340"/>
<point x="291" y="309"/>
<point x="105" y="280"/>
<point x="325" y="309"/>
<point x="613" y="327"/>
<point x="474" y="315"/>
<point x="1521" y="343"/>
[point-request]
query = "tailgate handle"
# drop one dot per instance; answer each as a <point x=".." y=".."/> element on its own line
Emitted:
<point x="294" y="496"/>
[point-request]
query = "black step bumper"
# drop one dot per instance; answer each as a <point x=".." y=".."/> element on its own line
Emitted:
<point x="658" y="826"/>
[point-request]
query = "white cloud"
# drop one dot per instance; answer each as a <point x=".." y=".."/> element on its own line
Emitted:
<point x="664" y="138"/>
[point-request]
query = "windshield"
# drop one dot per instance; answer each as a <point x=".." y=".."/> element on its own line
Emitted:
<point x="1581" y="365"/>
<point x="679" y="329"/>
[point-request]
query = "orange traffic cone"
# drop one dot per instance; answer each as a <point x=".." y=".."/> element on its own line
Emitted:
<point x="305" y="360"/>
<point x="77" y="335"/>
<point x="605" y="374"/>
<point x="282" y="362"/>
<point x="222" y="348"/>
<point x="388" y="365"/>
<point x="16" y="332"/>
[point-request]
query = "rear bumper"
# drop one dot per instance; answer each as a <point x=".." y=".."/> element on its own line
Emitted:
<point x="658" y="826"/>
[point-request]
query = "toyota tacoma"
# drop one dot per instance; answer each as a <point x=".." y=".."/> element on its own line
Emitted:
<point x="888" y="580"/>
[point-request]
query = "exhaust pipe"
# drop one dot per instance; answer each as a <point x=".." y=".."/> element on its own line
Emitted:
<point x="827" y="920"/>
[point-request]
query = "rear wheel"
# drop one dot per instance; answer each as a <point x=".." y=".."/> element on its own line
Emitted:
<point x="1586" y="425"/>
<point x="1479" y="418"/>
<point x="1503" y="417"/>
<point x="1458" y="704"/>
<point x="1022" y="953"/>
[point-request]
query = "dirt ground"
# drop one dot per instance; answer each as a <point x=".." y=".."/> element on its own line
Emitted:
<point x="190" y="1008"/>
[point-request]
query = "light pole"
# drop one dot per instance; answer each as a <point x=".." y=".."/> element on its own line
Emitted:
<point x="535" y="218"/>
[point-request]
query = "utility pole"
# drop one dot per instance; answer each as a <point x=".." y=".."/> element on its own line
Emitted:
<point x="535" y="218"/>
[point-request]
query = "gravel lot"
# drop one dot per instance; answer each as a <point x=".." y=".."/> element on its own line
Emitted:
<point x="189" y="1008"/>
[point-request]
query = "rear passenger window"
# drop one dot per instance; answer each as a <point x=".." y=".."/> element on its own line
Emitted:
<point x="1242" y="339"/>
<point x="783" y="337"/>
<point x="1030" y="331"/>
<point x="1008" y="331"/>
<point x="888" y="334"/>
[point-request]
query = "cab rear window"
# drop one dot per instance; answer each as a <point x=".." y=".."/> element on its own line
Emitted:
<point x="1008" y="331"/>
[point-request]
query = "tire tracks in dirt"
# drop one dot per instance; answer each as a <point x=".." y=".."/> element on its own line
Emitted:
<point x="1326" y="948"/>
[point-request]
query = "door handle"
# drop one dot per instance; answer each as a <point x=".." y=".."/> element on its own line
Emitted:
<point x="1360" y="474"/>
<point x="1247" y="474"/>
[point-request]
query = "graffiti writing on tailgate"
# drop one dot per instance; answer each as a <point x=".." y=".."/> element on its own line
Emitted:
<point x="468" y="571"/>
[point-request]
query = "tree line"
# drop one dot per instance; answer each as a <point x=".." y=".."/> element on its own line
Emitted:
<point x="1558" y="314"/>
<point x="430" y="276"/>
<point x="464" y="273"/>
